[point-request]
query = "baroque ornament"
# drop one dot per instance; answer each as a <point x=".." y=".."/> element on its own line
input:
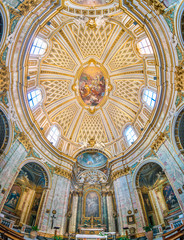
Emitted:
<point x="97" y="22"/>
<point x="158" y="141"/>
<point x="92" y="177"/>
<point x="62" y="172"/>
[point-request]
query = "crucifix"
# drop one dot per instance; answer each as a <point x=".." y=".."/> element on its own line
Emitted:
<point x="53" y="217"/>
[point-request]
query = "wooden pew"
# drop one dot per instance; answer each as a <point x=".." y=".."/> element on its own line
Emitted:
<point x="7" y="233"/>
<point x="177" y="233"/>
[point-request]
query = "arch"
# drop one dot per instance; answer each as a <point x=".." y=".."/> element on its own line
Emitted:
<point x="178" y="24"/>
<point x="5" y="22"/>
<point x="4" y="115"/>
<point x="28" y="192"/>
<point x="157" y="194"/>
<point x="150" y="160"/>
<point x="44" y="166"/>
<point x="176" y="128"/>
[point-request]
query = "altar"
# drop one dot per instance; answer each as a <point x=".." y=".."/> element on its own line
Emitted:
<point x="90" y="236"/>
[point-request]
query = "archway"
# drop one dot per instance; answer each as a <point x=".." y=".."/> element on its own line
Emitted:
<point x="25" y="200"/>
<point x="158" y="200"/>
<point x="4" y="131"/>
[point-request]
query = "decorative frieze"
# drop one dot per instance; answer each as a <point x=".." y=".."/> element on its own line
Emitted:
<point x="62" y="172"/>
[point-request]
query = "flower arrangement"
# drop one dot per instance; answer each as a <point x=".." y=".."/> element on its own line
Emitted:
<point x="103" y="234"/>
<point x="35" y="228"/>
<point x="148" y="228"/>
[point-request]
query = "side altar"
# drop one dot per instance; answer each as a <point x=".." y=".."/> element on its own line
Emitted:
<point x="91" y="226"/>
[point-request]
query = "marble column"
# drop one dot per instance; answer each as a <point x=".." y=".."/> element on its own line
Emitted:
<point x="73" y="219"/>
<point x="111" y="219"/>
<point x="157" y="208"/>
<point x="126" y="200"/>
<point x="43" y="208"/>
<point x="58" y="201"/>
<point x="104" y="210"/>
<point x="79" y="211"/>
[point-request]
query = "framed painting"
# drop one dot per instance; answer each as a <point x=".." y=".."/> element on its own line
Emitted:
<point x="92" y="205"/>
<point x="13" y="197"/>
<point x="170" y="198"/>
<point x="130" y="219"/>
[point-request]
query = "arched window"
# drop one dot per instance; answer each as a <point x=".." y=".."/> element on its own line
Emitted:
<point x="130" y="135"/>
<point x="144" y="46"/>
<point x="34" y="98"/>
<point x="149" y="97"/>
<point x="39" y="46"/>
<point x="53" y="135"/>
<point x="1" y="26"/>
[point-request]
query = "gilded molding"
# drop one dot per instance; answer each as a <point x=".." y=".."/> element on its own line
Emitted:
<point x="157" y="5"/>
<point x="119" y="173"/>
<point x="25" y="141"/>
<point x="4" y="79"/>
<point x="158" y="141"/>
<point x="179" y="79"/>
<point x="62" y="172"/>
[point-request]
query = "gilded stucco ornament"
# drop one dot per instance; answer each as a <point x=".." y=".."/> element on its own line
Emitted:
<point x="22" y="137"/>
<point x="158" y="141"/>
<point x="62" y="172"/>
<point x="179" y="79"/>
<point x="121" y="172"/>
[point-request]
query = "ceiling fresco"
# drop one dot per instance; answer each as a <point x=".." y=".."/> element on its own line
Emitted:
<point x="92" y="159"/>
<point x="92" y="77"/>
<point x="92" y="85"/>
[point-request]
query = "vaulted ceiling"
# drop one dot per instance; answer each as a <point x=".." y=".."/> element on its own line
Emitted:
<point x="112" y="48"/>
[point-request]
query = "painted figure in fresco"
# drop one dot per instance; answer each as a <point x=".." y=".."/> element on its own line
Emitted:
<point x="147" y="202"/>
<point x="12" y="199"/>
<point x="170" y="197"/>
<point x="92" y="86"/>
<point x="88" y="159"/>
<point x="91" y="2"/>
<point x="92" y="205"/>
<point x="36" y="204"/>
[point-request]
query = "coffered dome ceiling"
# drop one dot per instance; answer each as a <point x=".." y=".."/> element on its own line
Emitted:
<point x="92" y="77"/>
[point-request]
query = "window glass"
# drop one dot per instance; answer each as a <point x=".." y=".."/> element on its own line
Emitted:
<point x="53" y="135"/>
<point x="149" y="97"/>
<point x="144" y="46"/>
<point x="34" y="97"/>
<point x="39" y="46"/>
<point x="130" y="135"/>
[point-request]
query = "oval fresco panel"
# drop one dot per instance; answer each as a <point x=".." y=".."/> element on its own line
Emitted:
<point x="91" y="2"/>
<point x="89" y="159"/>
<point x="92" y="85"/>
